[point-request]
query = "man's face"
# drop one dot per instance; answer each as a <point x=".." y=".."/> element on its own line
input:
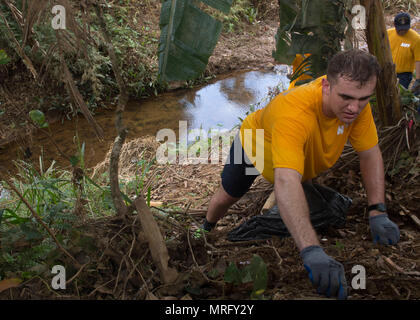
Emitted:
<point x="345" y="99"/>
<point x="401" y="32"/>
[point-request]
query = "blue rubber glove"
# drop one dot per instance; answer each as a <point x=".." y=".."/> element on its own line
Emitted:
<point x="383" y="230"/>
<point x="325" y="273"/>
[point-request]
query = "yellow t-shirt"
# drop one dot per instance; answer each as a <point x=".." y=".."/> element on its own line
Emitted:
<point x="294" y="133"/>
<point x="405" y="49"/>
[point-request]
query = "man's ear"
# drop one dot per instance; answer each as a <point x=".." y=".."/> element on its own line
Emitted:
<point x="326" y="86"/>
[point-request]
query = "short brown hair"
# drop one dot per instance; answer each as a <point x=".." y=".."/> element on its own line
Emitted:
<point x="354" y="65"/>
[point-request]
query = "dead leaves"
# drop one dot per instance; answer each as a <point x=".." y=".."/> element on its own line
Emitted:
<point x="9" y="283"/>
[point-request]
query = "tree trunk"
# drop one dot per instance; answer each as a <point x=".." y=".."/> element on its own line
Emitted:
<point x="387" y="92"/>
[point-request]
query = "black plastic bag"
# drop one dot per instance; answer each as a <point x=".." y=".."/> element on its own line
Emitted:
<point x="327" y="208"/>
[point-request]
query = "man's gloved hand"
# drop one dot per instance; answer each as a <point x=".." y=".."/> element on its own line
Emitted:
<point x="416" y="87"/>
<point x="324" y="272"/>
<point x="384" y="230"/>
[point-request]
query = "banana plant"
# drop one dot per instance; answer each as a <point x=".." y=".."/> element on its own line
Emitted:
<point x="316" y="27"/>
<point x="188" y="38"/>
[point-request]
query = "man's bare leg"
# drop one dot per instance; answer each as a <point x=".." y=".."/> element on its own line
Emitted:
<point x="219" y="205"/>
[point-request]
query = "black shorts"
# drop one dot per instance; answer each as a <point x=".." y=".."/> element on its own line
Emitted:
<point x="238" y="173"/>
<point x="405" y="78"/>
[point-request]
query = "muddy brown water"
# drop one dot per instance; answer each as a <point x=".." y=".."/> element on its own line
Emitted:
<point x="214" y="106"/>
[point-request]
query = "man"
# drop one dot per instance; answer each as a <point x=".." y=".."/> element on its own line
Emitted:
<point x="405" y="49"/>
<point x="304" y="133"/>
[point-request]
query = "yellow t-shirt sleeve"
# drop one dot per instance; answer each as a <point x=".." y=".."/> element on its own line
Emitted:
<point x="288" y="140"/>
<point x="363" y="134"/>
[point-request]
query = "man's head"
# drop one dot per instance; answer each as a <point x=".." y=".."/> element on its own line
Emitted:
<point x="355" y="65"/>
<point x="351" y="81"/>
<point x="402" y="23"/>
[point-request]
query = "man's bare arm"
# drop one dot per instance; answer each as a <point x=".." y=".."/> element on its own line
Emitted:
<point x="372" y="169"/>
<point x="293" y="207"/>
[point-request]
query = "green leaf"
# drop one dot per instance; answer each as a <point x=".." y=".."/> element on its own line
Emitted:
<point x="148" y="196"/>
<point x="38" y="117"/>
<point x="258" y="269"/>
<point x="213" y="273"/>
<point x="188" y="38"/>
<point x="30" y="233"/>
<point x="4" y="59"/>
<point x="246" y="275"/>
<point x="74" y="160"/>
<point x="232" y="274"/>
<point x="12" y="218"/>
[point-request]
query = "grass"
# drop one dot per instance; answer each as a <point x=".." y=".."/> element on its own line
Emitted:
<point x="26" y="248"/>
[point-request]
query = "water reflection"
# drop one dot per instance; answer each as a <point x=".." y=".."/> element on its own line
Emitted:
<point x="220" y="105"/>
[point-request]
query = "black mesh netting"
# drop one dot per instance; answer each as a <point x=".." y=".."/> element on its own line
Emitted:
<point x="327" y="208"/>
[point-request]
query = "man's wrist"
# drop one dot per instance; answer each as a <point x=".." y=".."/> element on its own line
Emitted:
<point x="307" y="246"/>
<point x="377" y="209"/>
<point x="374" y="213"/>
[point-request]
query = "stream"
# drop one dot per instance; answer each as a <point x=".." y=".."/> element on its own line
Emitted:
<point x="217" y="105"/>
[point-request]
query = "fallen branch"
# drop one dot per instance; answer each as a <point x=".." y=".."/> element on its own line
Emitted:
<point x="156" y="242"/>
<point x="121" y="129"/>
<point x="113" y="175"/>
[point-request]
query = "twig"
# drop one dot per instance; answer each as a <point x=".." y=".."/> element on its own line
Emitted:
<point x="202" y="212"/>
<point x="77" y="273"/>
<point x="204" y="237"/>
<point x="195" y="261"/>
<point x="408" y="294"/>
<point x="242" y="243"/>
<point x="399" y="269"/>
<point x="102" y="285"/>
<point x="395" y="290"/>
<point x="185" y="178"/>
<point x="48" y="287"/>
<point x="415" y="219"/>
<point x="129" y="257"/>
<point x="277" y="254"/>
<point x="118" y="275"/>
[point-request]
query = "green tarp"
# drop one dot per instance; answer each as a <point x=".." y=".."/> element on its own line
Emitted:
<point x="188" y="38"/>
